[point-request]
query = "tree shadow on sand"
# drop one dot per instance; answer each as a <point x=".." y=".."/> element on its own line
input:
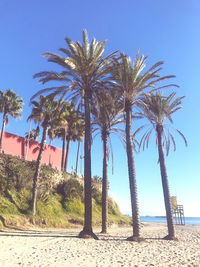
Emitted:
<point x="36" y="233"/>
<point x="60" y="234"/>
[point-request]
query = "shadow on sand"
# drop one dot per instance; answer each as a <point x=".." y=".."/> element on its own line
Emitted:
<point x="55" y="234"/>
<point x="36" y="233"/>
<point x="16" y="232"/>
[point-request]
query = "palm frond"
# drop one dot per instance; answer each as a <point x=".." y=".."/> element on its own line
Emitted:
<point x="182" y="137"/>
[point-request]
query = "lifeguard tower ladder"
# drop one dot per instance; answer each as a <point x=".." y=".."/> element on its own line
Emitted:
<point x="179" y="217"/>
<point x="178" y="212"/>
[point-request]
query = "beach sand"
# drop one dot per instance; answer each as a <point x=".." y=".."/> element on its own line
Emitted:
<point x="63" y="248"/>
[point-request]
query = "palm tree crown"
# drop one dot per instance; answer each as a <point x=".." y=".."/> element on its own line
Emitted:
<point x="130" y="79"/>
<point x="85" y="68"/>
<point x="107" y="112"/>
<point x="44" y="111"/>
<point x="157" y="109"/>
<point x="10" y="104"/>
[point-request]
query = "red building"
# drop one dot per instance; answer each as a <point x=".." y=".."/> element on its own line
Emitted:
<point x="17" y="146"/>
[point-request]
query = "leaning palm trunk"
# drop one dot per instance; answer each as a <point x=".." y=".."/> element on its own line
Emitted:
<point x="105" y="183"/>
<point x="63" y="150"/>
<point x="3" y="130"/>
<point x="67" y="153"/>
<point x="165" y="185"/>
<point x="132" y="175"/>
<point x="77" y="157"/>
<point x="87" y="229"/>
<point x="37" y="171"/>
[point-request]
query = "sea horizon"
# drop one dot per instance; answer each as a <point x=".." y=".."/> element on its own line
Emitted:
<point x="162" y="219"/>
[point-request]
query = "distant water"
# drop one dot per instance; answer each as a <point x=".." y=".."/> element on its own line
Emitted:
<point x="157" y="219"/>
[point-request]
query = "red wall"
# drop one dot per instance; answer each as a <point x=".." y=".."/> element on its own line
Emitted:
<point x="16" y="145"/>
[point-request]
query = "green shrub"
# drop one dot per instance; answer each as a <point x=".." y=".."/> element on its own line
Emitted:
<point x="21" y="199"/>
<point x="15" y="173"/>
<point x="74" y="207"/>
<point x="51" y="213"/>
<point x="70" y="188"/>
<point x="6" y="207"/>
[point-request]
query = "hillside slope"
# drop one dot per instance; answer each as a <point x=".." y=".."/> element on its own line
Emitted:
<point x="60" y="197"/>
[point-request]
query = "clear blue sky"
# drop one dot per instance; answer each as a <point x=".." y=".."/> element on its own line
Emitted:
<point x="164" y="30"/>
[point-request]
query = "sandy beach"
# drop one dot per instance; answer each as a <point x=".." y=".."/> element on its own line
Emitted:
<point x="63" y="248"/>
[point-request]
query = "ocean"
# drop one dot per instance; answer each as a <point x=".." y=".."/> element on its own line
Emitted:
<point x="162" y="219"/>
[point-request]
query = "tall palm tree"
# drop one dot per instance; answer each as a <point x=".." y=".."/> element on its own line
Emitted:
<point x="44" y="113"/>
<point x="10" y="104"/>
<point x="157" y="109"/>
<point x="131" y="84"/>
<point x="88" y="68"/>
<point x="107" y="116"/>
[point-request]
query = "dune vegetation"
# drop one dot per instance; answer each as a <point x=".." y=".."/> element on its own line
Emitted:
<point x="60" y="197"/>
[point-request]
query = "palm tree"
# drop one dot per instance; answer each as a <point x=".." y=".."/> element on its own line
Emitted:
<point x="78" y="135"/>
<point x="61" y="128"/>
<point x="33" y="134"/>
<point x="44" y="113"/>
<point x="106" y="119"/>
<point x="75" y="131"/>
<point x="86" y="65"/>
<point x="10" y="104"/>
<point x="132" y="84"/>
<point x="157" y="109"/>
<point x="71" y="128"/>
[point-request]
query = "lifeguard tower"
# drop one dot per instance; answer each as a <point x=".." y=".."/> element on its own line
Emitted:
<point x="178" y="212"/>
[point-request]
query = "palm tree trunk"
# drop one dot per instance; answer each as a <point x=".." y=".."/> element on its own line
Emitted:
<point x="67" y="153"/>
<point x="87" y="229"/>
<point x="77" y="157"/>
<point x="105" y="183"/>
<point x="27" y="141"/>
<point x="132" y="175"/>
<point x="3" y="130"/>
<point x="63" y="150"/>
<point x="37" y="171"/>
<point x="165" y="185"/>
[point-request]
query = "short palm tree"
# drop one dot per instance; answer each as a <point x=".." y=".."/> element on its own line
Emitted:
<point x="74" y="133"/>
<point x="70" y="129"/>
<point x="132" y="84"/>
<point x="107" y="116"/>
<point x="33" y="134"/>
<point x="80" y="133"/>
<point x="44" y="113"/>
<point x="88" y="69"/>
<point x="157" y="109"/>
<point x="10" y="104"/>
<point x="61" y="126"/>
